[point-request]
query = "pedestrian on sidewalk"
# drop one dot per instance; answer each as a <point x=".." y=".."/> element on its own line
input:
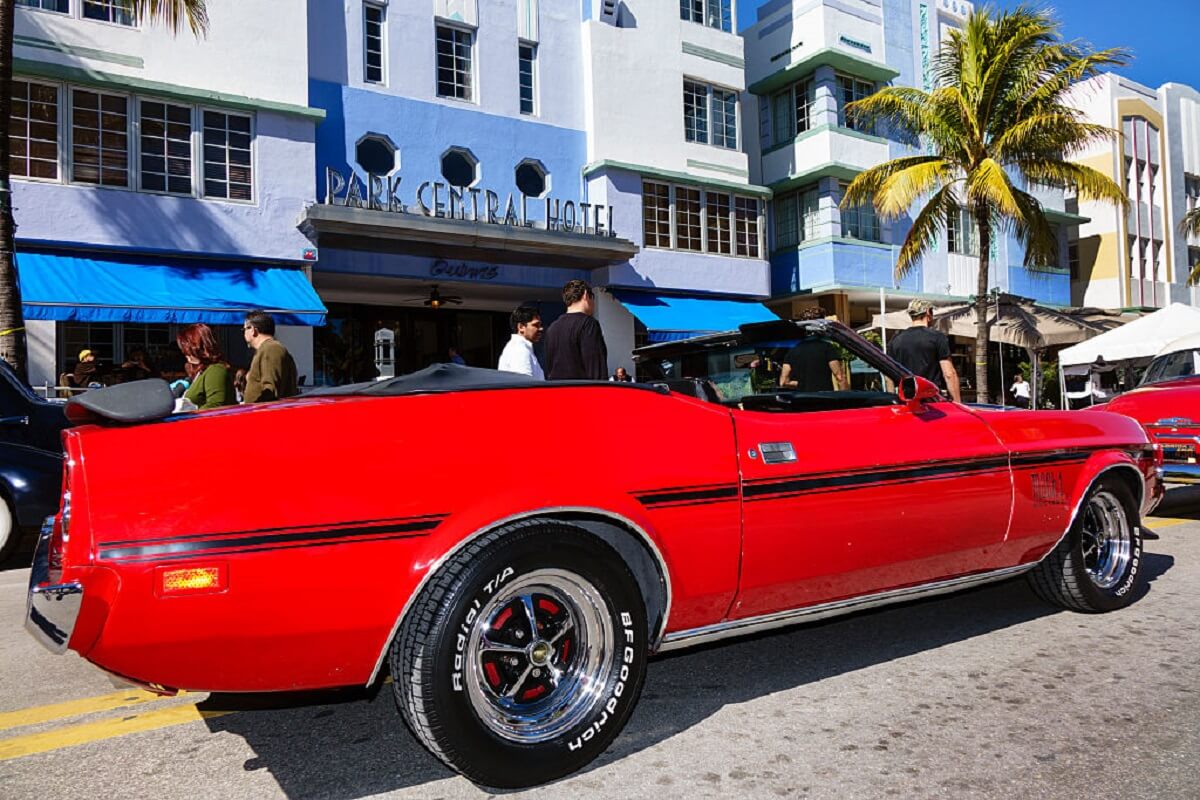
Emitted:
<point x="518" y="355"/>
<point x="575" y="348"/>
<point x="1020" y="391"/>
<point x="924" y="351"/>
<point x="212" y="381"/>
<point x="272" y="374"/>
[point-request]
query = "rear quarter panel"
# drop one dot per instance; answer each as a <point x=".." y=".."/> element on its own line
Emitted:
<point x="1056" y="456"/>
<point x="318" y="485"/>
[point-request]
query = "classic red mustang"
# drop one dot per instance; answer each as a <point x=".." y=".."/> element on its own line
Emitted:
<point x="513" y="551"/>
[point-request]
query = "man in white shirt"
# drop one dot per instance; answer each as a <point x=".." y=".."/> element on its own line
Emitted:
<point x="518" y="355"/>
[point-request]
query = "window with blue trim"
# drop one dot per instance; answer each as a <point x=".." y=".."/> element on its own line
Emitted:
<point x="710" y="13"/>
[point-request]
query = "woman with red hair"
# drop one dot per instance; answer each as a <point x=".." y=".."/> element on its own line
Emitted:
<point x="212" y="383"/>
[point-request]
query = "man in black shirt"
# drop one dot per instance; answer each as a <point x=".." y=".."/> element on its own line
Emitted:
<point x="574" y="343"/>
<point x="814" y="364"/>
<point x="925" y="351"/>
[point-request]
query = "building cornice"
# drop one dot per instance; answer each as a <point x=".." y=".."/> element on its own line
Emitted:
<point x="834" y="57"/>
<point x="676" y="177"/>
<point x="127" y="83"/>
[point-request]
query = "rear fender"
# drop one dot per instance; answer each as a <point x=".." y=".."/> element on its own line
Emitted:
<point x="620" y="530"/>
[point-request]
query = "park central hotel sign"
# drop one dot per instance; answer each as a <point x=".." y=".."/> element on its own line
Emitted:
<point x="471" y="204"/>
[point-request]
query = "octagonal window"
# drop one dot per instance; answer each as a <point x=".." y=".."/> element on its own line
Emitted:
<point x="460" y="167"/>
<point x="532" y="178"/>
<point x="376" y="154"/>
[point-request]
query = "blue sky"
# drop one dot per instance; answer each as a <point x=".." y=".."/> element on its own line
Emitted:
<point x="1162" y="33"/>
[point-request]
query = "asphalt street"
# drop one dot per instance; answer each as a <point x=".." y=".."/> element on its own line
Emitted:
<point x="987" y="694"/>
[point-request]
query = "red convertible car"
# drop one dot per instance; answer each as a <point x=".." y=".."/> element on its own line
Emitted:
<point x="513" y="551"/>
<point x="1167" y="404"/>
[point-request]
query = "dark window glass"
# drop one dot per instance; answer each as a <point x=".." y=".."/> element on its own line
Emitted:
<point x="372" y="43"/>
<point x="228" y="169"/>
<point x="99" y="138"/>
<point x="531" y="180"/>
<point x="527" y="58"/>
<point x="166" y="142"/>
<point x="33" y="131"/>
<point x="375" y="155"/>
<point x="454" y="52"/>
<point x="458" y="168"/>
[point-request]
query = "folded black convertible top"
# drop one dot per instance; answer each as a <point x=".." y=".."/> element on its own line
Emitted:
<point x="435" y="378"/>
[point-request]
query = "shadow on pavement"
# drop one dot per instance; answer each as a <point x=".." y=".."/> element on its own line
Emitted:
<point x="350" y="744"/>
<point x="1181" y="502"/>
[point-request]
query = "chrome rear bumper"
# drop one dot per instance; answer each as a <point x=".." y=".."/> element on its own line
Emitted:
<point x="1181" y="473"/>
<point x="50" y="609"/>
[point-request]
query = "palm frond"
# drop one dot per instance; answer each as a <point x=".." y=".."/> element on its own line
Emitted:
<point x="904" y="187"/>
<point x="1034" y="231"/>
<point x="172" y="13"/>
<point x="988" y="186"/>
<point x="1091" y="184"/>
<point x="1190" y="224"/>
<point x="926" y="229"/>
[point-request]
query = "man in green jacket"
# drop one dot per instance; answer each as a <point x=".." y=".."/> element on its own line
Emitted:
<point x="272" y="374"/>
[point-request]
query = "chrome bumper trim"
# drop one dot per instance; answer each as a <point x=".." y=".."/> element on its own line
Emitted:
<point x="1180" y="473"/>
<point x="743" y="627"/>
<point x="50" y="609"/>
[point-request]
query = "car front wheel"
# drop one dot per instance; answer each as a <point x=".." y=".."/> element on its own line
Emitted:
<point x="522" y="658"/>
<point x="1098" y="564"/>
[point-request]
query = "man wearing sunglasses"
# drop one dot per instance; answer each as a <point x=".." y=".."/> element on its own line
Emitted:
<point x="272" y="374"/>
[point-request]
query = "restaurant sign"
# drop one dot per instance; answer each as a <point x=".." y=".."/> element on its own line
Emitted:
<point x="470" y="204"/>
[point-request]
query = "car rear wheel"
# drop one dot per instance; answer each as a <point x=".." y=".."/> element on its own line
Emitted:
<point x="522" y="658"/>
<point x="9" y="532"/>
<point x="1097" y="566"/>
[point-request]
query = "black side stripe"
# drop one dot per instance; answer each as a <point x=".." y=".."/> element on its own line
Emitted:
<point x="776" y="488"/>
<point x="284" y="529"/>
<point x="233" y="542"/>
<point x="687" y="496"/>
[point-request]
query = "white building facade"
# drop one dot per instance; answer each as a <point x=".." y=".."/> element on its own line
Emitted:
<point x="158" y="180"/>
<point x="1137" y="258"/>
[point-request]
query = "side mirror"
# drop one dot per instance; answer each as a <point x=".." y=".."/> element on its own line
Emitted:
<point x="915" y="390"/>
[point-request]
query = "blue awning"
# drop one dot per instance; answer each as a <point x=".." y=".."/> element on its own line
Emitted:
<point x="118" y="288"/>
<point x="669" y="319"/>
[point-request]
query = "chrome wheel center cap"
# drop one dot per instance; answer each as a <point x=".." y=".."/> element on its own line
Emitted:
<point x="540" y="653"/>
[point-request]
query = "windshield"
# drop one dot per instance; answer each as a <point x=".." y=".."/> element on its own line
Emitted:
<point x="1169" y="367"/>
<point x="815" y="363"/>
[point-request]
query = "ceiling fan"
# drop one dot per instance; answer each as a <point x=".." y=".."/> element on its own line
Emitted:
<point x="436" y="299"/>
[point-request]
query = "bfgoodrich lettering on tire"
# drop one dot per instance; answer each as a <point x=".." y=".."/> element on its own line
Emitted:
<point x="1098" y="564"/>
<point x="522" y="658"/>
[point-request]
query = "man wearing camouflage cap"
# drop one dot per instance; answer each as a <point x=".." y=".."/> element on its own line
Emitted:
<point x="925" y="351"/>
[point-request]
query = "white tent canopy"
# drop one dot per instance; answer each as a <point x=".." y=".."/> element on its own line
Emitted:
<point x="1140" y="339"/>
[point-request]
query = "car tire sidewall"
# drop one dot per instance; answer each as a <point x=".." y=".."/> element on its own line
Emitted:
<point x="1125" y="590"/>
<point x="484" y="755"/>
<point x="9" y="532"/>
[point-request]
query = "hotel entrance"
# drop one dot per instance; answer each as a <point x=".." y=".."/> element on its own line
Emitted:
<point x="364" y="342"/>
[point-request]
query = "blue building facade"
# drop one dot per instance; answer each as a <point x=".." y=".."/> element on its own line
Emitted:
<point x="805" y="63"/>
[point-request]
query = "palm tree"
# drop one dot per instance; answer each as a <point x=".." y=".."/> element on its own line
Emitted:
<point x="171" y="13"/>
<point x="1190" y="226"/>
<point x="997" y="123"/>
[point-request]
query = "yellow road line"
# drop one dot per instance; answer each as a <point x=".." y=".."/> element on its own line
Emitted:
<point x="74" y="735"/>
<point x="1156" y="523"/>
<point x="76" y="708"/>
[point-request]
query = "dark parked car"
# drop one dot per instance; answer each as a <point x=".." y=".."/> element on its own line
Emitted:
<point x="30" y="459"/>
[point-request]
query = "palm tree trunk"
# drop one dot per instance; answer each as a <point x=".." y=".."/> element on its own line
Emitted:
<point x="981" y="307"/>
<point x="12" y="326"/>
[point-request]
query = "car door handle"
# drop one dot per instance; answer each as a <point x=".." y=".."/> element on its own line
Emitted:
<point x="777" y="452"/>
<point x="14" y="420"/>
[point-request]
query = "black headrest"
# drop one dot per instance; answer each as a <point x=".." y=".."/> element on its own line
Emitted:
<point x="129" y="403"/>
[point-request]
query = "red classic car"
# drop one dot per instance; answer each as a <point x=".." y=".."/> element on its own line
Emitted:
<point x="1167" y="404"/>
<point x="513" y="551"/>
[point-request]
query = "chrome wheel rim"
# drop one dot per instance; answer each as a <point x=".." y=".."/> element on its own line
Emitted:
<point x="539" y="654"/>
<point x="1106" y="539"/>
